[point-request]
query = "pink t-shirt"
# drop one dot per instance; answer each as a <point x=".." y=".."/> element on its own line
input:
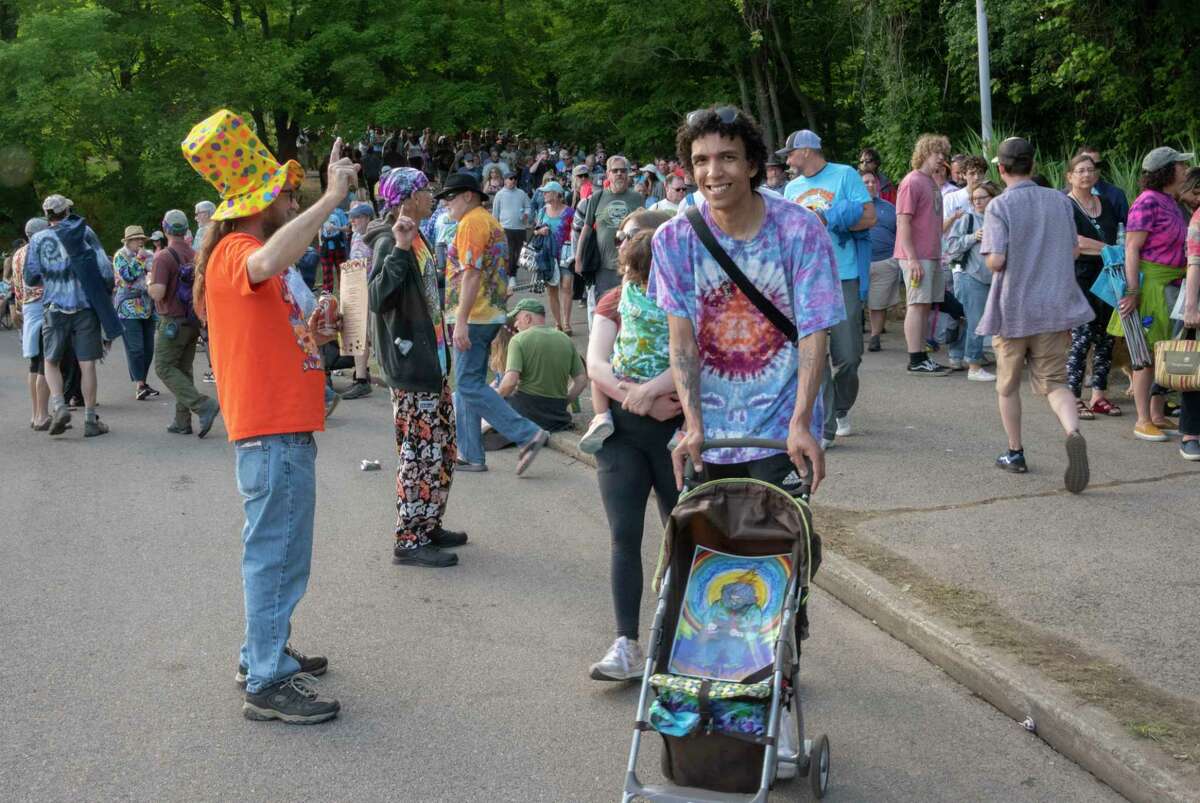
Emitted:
<point x="920" y="198"/>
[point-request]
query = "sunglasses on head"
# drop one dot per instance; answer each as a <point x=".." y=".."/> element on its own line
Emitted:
<point x="625" y="236"/>
<point x="726" y="114"/>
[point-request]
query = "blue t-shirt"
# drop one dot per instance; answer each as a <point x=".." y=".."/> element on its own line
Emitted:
<point x="818" y="193"/>
<point x="883" y="233"/>
<point x="747" y="367"/>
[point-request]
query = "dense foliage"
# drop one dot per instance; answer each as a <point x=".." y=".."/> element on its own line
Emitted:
<point x="98" y="93"/>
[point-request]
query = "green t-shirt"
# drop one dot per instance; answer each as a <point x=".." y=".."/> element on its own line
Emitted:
<point x="546" y="359"/>
<point x="610" y="213"/>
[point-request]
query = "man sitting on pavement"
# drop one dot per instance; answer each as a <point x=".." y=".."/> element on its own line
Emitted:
<point x="544" y="373"/>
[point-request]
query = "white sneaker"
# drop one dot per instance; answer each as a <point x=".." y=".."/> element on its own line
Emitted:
<point x="826" y="444"/>
<point x="843" y="425"/>
<point x="981" y="375"/>
<point x="624" y="661"/>
<point x="956" y="364"/>
<point x="597" y="432"/>
<point x="787" y="764"/>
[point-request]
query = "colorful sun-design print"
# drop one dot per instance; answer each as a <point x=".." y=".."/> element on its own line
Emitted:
<point x="730" y="616"/>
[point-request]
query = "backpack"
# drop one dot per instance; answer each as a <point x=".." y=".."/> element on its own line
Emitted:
<point x="187" y="277"/>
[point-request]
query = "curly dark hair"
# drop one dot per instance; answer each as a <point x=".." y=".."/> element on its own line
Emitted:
<point x="743" y="127"/>
<point x="1158" y="179"/>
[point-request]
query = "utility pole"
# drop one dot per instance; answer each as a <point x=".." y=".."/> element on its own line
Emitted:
<point x="985" y="73"/>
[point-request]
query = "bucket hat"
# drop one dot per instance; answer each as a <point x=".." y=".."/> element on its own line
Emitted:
<point x="231" y="157"/>
<point x="132" y="232"/>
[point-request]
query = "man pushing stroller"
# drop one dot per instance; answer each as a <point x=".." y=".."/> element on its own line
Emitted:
<point x="750" y="285"/>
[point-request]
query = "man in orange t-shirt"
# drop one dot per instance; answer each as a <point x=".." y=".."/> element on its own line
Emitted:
<point x="271" y="392"/>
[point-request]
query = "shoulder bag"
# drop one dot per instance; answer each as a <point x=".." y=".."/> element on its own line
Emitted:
<point x="1177" y="362"/>
<point x="590" y="260"/>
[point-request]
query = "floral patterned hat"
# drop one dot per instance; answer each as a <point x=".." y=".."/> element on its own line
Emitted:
<point x="231" y="157"/>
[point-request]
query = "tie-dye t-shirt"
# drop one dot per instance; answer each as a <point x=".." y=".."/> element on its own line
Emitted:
<point x="642" y="349"/>
<point x="748" y="369"/>
<point x="479" y="244"/>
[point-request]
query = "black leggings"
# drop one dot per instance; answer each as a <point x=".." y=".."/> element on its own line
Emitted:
<point x="633" y="460"/>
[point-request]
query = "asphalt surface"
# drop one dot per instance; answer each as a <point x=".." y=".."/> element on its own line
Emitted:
<point x="121" y="616"/>
<point x="1111" y="569"/>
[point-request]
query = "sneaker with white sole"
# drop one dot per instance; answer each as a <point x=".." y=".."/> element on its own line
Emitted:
<point x="623" y="661"/>
<point x="980" y="375"/>
<point x="956" y="364"/>
<point x="843" y="425"/>
<point x="928" y="368"/>
<point x="597" y="432"/>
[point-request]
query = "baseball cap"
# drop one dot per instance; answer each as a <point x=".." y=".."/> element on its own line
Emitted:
<point x="580" y="170"/>
<point x="362" y="209"/>
<point x="799" y="139"/>
<point x="156" y="235"/>
<point x="205" y="206"/>
<point x="1013" y="149"/>
<point x="552" y="186"/>
<point x="531" y="305"/>
<point x="175" y="222"/>
<point x="56" y="204"/>
<point x="34" y="225"/>
<point x="1159" y="158"/>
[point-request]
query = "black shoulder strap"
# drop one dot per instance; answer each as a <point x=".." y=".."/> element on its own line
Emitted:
<point x="772" y="313"/>
<point x="593" y="202"/>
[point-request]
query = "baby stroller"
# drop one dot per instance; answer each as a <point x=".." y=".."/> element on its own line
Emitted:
<point x="722" y="666"/>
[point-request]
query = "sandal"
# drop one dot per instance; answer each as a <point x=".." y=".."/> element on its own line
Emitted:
<point x="1085" y="412"/>
<point x="1105" y="407"/>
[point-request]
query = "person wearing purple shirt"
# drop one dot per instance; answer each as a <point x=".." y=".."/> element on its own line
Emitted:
<point x="1035" y="301"/>
<point x="1156" y="233"/>
<point x="736" y="374"/>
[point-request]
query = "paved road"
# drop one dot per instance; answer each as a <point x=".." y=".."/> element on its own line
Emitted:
<point x="1112" y="569"/>
<point x="121" y="615"/>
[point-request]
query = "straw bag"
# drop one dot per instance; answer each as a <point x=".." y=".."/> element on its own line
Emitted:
<point x="1177" y="362"/>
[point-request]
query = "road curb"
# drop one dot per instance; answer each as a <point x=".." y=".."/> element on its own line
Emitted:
<point x="1087" y="735"/>
<point x="1084" y="733"/>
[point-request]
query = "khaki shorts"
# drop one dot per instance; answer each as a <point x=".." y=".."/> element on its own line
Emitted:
<point x="1046" y="355"/>
<point x="932" y="289"/>
<point x="884" y="290"/>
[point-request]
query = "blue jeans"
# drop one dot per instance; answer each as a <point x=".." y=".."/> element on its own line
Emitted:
<point x="139" y="346"/>
<point x="474" y="398"/>
<point x="277" y="478"/>
<point x="973" y="295"/>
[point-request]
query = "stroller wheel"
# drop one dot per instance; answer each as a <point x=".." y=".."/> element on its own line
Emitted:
<point x="818" y="767"/>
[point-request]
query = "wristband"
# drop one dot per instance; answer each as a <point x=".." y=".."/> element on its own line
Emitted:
<point x="1132" y="291"/>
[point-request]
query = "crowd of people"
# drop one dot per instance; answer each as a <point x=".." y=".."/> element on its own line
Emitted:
<point x="728" y="292"/>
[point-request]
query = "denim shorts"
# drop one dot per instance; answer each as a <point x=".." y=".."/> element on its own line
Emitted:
<point x="81" y="329"/>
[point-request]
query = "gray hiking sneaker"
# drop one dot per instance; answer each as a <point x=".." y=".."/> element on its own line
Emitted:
<point x="94" y="427"/>
<point x="294" y="699"/>
<point x="624" y="661"/>
<point x="208" y="415"/>
<point x="59" y="419"/>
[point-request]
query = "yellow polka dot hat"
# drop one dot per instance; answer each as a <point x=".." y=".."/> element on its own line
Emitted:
<point x="233" y="159"/>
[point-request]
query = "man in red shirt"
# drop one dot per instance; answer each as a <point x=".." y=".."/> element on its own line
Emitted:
<point x="271" y="392"/>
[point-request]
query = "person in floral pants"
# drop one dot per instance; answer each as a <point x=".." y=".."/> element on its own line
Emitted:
<point x="414" y="359"/>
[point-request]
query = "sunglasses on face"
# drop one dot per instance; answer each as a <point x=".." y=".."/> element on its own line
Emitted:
<point x="726" y="114"/>
<point x="618" y="170"/>
<point x="450" y="196"/>
<point x="625" y="236"/>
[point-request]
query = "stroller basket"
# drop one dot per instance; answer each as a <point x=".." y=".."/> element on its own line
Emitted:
<point x="733" y="577"/>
